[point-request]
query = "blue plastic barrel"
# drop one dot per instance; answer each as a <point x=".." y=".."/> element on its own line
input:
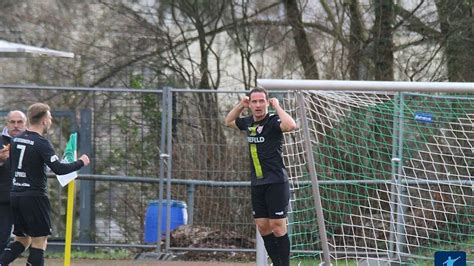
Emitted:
<point x="179" y="216"/>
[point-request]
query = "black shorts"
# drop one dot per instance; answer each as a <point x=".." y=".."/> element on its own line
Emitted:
<point x="270" y="200"/>
<point x="31" y="216"/>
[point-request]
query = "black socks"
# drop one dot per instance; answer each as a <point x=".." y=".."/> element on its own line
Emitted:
<point x="11" y="252"/>
<point x="36" y="257"/>
<point x="283" y="245"/>
<point x="278" y="248"/>
<point x="272" y="248"/>
<point x="14" y="250"/>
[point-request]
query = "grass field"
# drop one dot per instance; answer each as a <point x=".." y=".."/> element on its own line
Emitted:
<point x="117" y="258"/>
<point x="84" y="262"/>
<point x="129" y="262"/>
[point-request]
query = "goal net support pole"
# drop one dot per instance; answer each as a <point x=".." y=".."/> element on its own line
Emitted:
<point x="314" y="181"/>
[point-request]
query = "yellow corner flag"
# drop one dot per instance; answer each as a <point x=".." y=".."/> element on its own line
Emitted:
<point x="70" y="155"/>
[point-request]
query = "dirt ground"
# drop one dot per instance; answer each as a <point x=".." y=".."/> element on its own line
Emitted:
<point x="82" y="262"/>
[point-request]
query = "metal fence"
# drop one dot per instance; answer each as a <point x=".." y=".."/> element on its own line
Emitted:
<point x="147" y="145"/>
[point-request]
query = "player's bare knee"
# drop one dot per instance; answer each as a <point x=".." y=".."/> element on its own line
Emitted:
<point x="39" y="242"/>
<point x="278" y="227"/>
<point x="263" y="226"/>
<point x="264" y="230"/>
<point x="279" y="231"/>
<point x="24" y="240"/>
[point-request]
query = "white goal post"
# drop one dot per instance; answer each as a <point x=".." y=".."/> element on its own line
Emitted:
<point x="358" y="85"/>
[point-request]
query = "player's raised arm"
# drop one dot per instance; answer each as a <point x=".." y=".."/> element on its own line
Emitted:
<point x="287" y="122"/>
<point x="235" y="112"/>
<point x="58" y="167"/>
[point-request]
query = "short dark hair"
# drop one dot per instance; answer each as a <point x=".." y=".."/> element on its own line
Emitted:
<point x="36" y="112"/>
<point x="258" y="89"/>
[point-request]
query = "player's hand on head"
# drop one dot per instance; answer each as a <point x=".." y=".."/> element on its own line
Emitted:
<point x="85" y="159"/>
<point x="274" y="102"/>
<point x="245" y="101"/>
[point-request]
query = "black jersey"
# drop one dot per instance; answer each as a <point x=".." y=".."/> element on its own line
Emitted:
<point x="5" y="179"/>
<point x="265" y="140"/>
<point x="30" y="153"/>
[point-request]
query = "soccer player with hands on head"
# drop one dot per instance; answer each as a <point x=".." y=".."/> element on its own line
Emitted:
<point x="270" y="191"/>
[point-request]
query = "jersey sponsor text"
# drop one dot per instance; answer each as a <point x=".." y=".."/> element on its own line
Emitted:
<point x="18" y="184"/>
<point x="24" y="141"/>
<point x="20" y="174"/>
<point x="256" y="139"/>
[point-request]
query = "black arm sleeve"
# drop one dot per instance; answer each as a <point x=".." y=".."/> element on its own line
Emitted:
<point x="52" y="160"/>
<point x="65" y="168"/>
<point x="240" y="123"/>
<point x="275" y="123"/>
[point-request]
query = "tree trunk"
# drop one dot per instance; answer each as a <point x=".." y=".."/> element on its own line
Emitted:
<point x="305" y="53"/>
<point x="383" y="44"/>
<point x="357" y="41"/>
<point x="457" y="27"/>
<point x="208" y="109"/>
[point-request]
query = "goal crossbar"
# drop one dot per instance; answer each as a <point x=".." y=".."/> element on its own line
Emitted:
<point x="357" y="85"/>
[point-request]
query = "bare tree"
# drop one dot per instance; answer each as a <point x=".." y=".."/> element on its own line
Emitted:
<point x="357" y="42"/>
<point x="383" y="44"/>
<point x="456" y="22"/>
<point x="303" y="49"/>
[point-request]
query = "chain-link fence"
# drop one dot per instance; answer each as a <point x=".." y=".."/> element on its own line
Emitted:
<point x="147" y="145"/>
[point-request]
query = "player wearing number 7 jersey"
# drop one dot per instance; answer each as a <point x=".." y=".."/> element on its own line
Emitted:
<point x="30" y="153"/>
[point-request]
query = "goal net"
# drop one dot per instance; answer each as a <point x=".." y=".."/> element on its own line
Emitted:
<point x="393" y="172"/>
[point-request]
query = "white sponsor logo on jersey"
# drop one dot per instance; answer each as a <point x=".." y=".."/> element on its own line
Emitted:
<point x="24" y="141"/>
<point x="256" y="139"/>
<point x="20" y="174"/>
<point x="18" y="184"/>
